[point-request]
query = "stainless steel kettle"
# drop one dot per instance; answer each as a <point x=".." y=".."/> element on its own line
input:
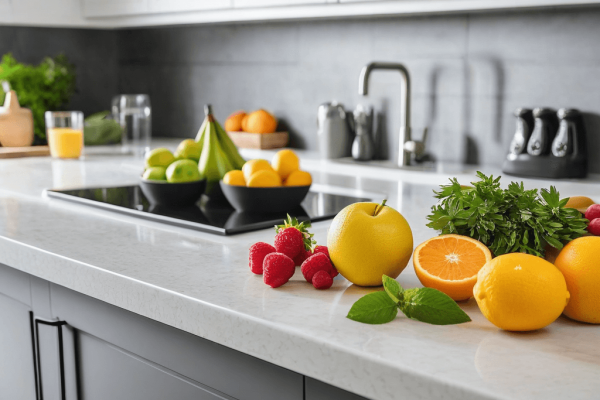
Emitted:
<point x="334" y="131"/>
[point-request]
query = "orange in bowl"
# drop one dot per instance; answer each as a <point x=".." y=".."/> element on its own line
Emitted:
<point x="233" y="123"/>
<point x="264" y="178"/>
<point x="450" y="263"/>
<point x="259" y="121"/>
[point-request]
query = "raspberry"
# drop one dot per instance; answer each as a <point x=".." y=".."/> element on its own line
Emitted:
<point x="277" y="269"/>
<point x="593" y="212"/>
<point x="322" y="280"/>
<point x="594" y="227"/>
<point x="300" y="258"/>
<point x="315" y="263"/>
<point x="322" y="249"/>
<point x="258" y="252"/>
<point x="289" y="241"/>
<point x="334" y="272"/>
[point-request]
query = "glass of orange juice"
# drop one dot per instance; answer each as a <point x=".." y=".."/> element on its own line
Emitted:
<point x="64" y="131"/>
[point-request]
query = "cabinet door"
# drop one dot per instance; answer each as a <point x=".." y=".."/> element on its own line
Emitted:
<point x="110" y="8"/>
<point x="17" y="380"/>
<point x="317" y="390"/>
<point x="274" y="3"/>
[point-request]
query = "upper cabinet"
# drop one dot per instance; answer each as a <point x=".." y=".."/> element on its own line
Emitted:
<point x="274" y="3"/>
<point x="142" y="13"/>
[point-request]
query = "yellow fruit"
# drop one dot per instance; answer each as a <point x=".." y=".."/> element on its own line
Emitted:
<point x="264" y="178"/>
<point x="579" y="261"/>
<point x="183" y="171"/>
<point x="366" y="241"/>
<point x="253" y="166"/>
<point x="188" y="149"/>
<point x="234" y="178"/>
<point x="160" y="157"/>
<point x="520" y="292"/>
<point x="233" y="123"/>
<point x="244" y="123"/>
<point x="285" y="162"/>
<point x="450" y="263"/>
<point x="298" y="178"/>
<point x="580" y="203"/>
<point x="259" y="121"/>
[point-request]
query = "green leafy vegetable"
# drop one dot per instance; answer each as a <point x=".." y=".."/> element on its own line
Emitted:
<point x="506" y="220"/>
<point x="101" y="130"/>
<point x="47" y="86"/>
<point x="421" y="304"/>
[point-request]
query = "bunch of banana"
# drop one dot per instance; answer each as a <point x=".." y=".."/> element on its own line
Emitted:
<point x="219" y="154"/>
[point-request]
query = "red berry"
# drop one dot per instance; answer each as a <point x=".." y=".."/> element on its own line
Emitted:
<point x="594" y="227"/>
<point x="593" y="212"/>
<point x="277" y="269"/>
<point x="334" y="272"/>
<point x="300" y="258"/>
<point x="289" y="241"/>
<point x="258" y="252"/>
<point x="315" y="263"/>
<point x="322" y="249"/>
<point x="322" y="280"/>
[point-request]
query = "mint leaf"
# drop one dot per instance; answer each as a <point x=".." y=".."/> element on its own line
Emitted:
<point x="374" y="308"/>
<point x="432" y="306"/>
<point x="392" y="288"/>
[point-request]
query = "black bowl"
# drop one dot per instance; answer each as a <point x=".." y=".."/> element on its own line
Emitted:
<point x="172" y="194"/>
<point x="264" y="200"/>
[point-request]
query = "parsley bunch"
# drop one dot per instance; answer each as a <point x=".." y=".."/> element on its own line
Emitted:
<point x="506" y="220"/>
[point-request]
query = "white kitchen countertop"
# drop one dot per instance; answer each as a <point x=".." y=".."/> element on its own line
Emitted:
<point x="201" y="283"/>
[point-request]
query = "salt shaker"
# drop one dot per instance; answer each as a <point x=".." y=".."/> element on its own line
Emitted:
<point x="362" y="147"/>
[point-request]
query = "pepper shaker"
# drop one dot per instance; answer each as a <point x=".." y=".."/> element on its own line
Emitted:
<point x="543" y="132"/>
<point x="362" y="147"/>
<point x="523" y="131"/>
<point x="570" y="137"/>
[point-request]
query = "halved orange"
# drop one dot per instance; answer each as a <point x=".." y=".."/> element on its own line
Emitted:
<point x="449" y="263"/>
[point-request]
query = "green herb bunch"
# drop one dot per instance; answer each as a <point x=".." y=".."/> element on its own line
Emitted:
<point x="506" y="220"/>
<point x="43" y="87"/>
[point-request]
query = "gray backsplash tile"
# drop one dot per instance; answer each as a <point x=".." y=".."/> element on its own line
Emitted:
<point x="469" y="72"/>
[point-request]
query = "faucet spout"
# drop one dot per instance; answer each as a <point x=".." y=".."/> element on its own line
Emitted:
<point x="363" y="90"/>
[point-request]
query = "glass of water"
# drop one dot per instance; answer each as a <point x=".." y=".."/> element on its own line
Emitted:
<point x="134" y="114"/>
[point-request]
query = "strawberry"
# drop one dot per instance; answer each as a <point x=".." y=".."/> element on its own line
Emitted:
<point x="593" y="212"/>
<point x="277" y="269"/>
<point x="322" y="280"/>
<point x="289" y="241"/>
<point x="258" y="252"/>
<point x="334" y="272"/>
<point x="300" y="258"/>
<point x="315" y="263"/>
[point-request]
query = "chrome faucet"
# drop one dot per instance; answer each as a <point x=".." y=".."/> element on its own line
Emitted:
<point x="406" y="146"/>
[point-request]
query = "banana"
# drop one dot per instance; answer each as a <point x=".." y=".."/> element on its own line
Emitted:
<point x="229" y="148"/>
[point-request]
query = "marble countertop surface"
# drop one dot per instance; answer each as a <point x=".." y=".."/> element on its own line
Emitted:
<point x="201" y="283"/>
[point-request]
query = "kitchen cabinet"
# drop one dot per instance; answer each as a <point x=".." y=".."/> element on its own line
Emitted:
<point x="111" y="353"/>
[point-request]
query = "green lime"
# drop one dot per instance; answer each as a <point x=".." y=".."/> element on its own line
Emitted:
<point x="155" y="174"/>
<point x="160" y="157"/>
<point x="189" y="149"/>
<point x="183" y="171"/>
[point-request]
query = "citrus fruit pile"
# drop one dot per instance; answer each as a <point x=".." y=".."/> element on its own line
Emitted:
<point x="162" y="165"/>
<point x="259" y="121"/>
<point x="284" y="170"/>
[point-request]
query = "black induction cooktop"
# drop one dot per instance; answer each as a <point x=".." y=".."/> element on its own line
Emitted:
<point x="218" y="218"/>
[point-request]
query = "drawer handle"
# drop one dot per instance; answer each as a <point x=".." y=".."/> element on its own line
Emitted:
<point x="36" y="355"/>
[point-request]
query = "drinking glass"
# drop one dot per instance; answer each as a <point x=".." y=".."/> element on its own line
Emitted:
<point x="64" y="131"/>
<point x="134" y="114"/>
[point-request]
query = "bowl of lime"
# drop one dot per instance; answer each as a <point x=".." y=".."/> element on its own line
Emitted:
<point x="171" y="182"/>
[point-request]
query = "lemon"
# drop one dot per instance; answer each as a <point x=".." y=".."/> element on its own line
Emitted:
<point x="520" y="292"/>
<point x="252" y="166"/>
<point x="160" y="157"/>
<point x="580" y="203"/>
<point x="366" y="241"/>
<point x="578" y="261"/>
<point x="235" y="178"/>
<point x="264" y="178"/>
<point x="183" y="171"/>
<point x="155" y="174"/>
<point x="285" y="162"/>
<point x="298" y="178"/>
<point x="189" y="149"/>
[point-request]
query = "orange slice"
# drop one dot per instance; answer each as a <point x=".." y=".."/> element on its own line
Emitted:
<point x="449" y="263"/>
